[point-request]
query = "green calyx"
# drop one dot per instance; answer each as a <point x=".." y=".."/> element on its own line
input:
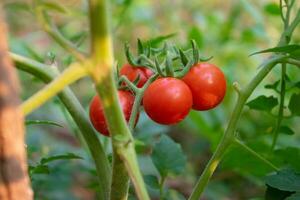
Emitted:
<point x="166" y="61"/>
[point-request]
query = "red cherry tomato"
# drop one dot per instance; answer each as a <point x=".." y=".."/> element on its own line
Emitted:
<point x="208" y="85"/>
<point x="97" y="113"/>
<point x="133" y="72"/>
<point x="167" y="100"/>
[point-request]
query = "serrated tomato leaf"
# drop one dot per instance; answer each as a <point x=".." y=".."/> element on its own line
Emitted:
<point x="288" y="155"/>
<point x="297" y="85"/>
<point x="286" y="180"/>
<point x="294" y="104"/>
<point x="168" y="157"/>
<point x="282" y="49"/>
<point x="295" y="54"/>
<point x="295" y="196"/>
<point x="151" y="181"/>
<point x="238" y="159"/>
<point x="273" y="86"/>
<point x="286" y="130"/>
<point x="275" y="194"/>
<point x="39" y="169"/>
<point x="263" y="103"/>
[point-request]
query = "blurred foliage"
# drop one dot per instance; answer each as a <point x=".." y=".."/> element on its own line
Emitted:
<point x="227" y="30"/>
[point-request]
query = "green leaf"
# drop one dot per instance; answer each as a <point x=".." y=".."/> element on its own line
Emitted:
<point x="286" y="130"/>
<point x="52" y="6"/>
<point x="168" y="157"/>
<point x="39" y="169"/>
<point x="44" y="122"/>
<point x="295" y="196"/>
<point x="17" y="6"/>
<point x="157" y="40"/>
<point x="286" y="180"/>
<point x="273" y="86"/>
<point x="196" y="34"/>
<point x="282" y="49"/>
<point x="294" y="104"/>
<point x="272" y="8"/>
<point x="275" y="194"/>
<point x="151" y="181"/>
<point x="67" y="156"/>
<point x="297" y="85"/>
<point x="288" y="155"/>
<point x="238" y="159"/>
<point x="263" y="103"/>
<point x="295" y="54"/>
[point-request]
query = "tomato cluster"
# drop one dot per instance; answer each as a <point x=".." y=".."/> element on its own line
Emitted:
<point x="167" y="100"/>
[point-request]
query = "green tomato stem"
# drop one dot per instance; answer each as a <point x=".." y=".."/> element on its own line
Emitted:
<point x="129" y="84"/>
<point x="101" y="71"/>
<point x="244" y="94"/>
<point x="50" y="28"/>
<point x="47" y="74"/>
<point x="137" y="101"/>
<point x="120" y="180"/>
<point x="293" y="62"/>
<point x="161" y="187"/>
<point x="228" y="136"/>
<point x="70" y="75"/>
<point x="281" y="107"/>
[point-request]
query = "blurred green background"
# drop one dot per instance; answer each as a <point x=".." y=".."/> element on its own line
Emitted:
<point x="227" y="30"/>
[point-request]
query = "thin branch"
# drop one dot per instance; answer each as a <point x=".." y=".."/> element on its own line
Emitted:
<point x="229" y="134"/>
<point x="48" y="73"/>
<point x="281" y="106"/>
<point x="281" y="10"/>
<point x="102" y="73"/>
<point x="255" y="154"/>
<point x="129" y="83"/>
<point x="50" y="28"/>
<point x="137" y="102"/>
<point x="293" y="62"/>
<point x="237" y="87"/>
<point x="70" y="75"/>
<point x="283" y="75"/>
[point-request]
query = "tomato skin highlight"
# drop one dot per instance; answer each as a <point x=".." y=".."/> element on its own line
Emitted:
<point x="167" y="100"/>
<point x="97" y="118"/>
<point x="133" y="72"/>
<point x="208" y="85"/>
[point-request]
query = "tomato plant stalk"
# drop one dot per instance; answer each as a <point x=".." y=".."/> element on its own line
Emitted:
<point x="101" y="71"/>
<point x="244" y="93"/>
<point x="47" y="74"/>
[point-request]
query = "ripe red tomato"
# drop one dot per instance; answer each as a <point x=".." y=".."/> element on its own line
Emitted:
<point x="208" y="85"/>
<point x="97" y="113"/>
<point x="133" y="72"/>
<point x="167" y="100"/>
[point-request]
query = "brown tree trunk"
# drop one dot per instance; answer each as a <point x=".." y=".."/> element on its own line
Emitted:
<point x="14" y="181"/>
